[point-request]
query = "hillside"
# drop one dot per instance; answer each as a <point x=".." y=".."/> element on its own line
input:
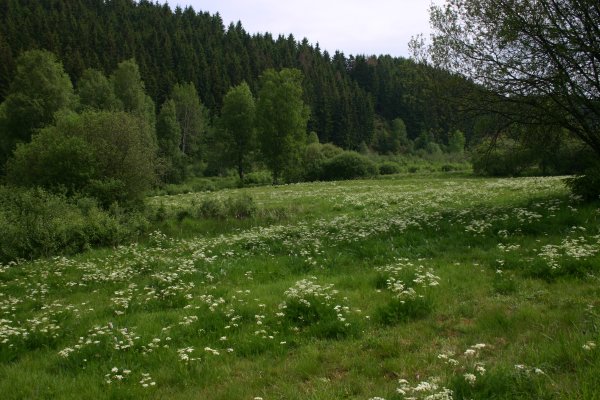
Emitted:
<point x="345" y="93"/>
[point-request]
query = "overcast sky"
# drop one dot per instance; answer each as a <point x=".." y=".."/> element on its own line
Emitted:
<point x="352" y="26"/>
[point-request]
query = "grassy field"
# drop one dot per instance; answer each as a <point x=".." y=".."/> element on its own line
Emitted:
<point x="407" y="287"/>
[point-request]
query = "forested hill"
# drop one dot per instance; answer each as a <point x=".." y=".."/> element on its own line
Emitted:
<point x="345" y="94"/>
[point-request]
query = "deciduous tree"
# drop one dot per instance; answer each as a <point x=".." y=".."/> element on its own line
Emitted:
<point x="192" y="117"/>
<point x="96" y="93"/>
<point x="168" y="133"/>
<point x="39" y="89"/>
<point x="281" y="120"/>
<point x="108" y="155"/>
<point x="130" y="90"/>
<point x="538" y="60"/>
<point x="237" y="119"/>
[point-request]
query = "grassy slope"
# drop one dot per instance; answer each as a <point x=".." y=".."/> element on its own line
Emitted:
<point x="516" y="259"/>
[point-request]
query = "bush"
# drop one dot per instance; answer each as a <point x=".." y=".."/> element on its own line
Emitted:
<point x="389" y="168"/>
<point x="510" y="157"/>
<point x="211" y="208"/>
<point x="314" y="157"/>
<point x="312" y="161"/>
<point x="35" y="223"/>
<point x="52" y="160"/>
<point x="348" y="165"/>
<point x="504" y="158"/>
<point x="587" y="186"/>
<point x="258" y="178"/>
<point x="110" y="156"/>
<point x="241" y="207"/>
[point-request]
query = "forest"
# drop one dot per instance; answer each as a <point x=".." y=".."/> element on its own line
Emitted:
<point x="191" y="211"/>
<point x="345" y="94"/>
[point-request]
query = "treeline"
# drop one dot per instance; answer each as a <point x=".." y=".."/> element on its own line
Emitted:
<point x="352" y="100"/>
<point x="78" y="161"/>
<point x="92" y="152"/>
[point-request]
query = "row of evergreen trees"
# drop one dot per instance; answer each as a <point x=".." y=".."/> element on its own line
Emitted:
<point x="345" y="95"/>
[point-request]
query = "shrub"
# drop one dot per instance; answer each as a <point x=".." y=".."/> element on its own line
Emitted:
<point x="258" y="178"/>
<point x="510" y="157"/>
<point x="35" y="223"/>
<point x="52" y="160"/>
<point x="314" y="157"/>
<point x="587" y="186"/>
<point x="312" y="161"/>
<point x="348" y="165"/>
<point x="389" y="168"/>
<point x="211" y="208"/>
<point x="110" y="156"/>
<point x="330" y="150"/>
<point x="504" y="158"/>
<point x="241" y="207"/>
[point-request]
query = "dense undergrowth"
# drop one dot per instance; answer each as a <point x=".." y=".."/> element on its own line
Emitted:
<point x="392" y="288"/>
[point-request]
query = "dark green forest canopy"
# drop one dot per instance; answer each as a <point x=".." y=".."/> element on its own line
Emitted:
<point x="344" y="94"/>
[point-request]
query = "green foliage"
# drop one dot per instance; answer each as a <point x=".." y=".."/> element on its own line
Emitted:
<point x="398" y="311"/>
<point x="456" y="142"/>
<point x="96" y="92"/>
<point x="52" y="160"/>
<point x="312" y="138"/>
<point x="392" y="139"/>
<point x="38" y="90"/>
<point x="35" y="223"/>
<point x="329" y="162"/>
<point x="313" y="158"/>
<point x="113" y="158"/>
<point x="237" y="118"/>
<point x="212" y="208"/>
<point x="241" y="207"/>
<point x="207" y="299"/>
<point x="315" y="309"/>
<point x="587" y="185"/>
<point x="344" y="93"/>
<point x="348" y="165"/>
<point x="281" y="120"/>
<point x="503" y="158"/>
<point x="168" y="134"/>
<point x="238" y="207"/>
<point x="124" y="150"/>
<point x="128" y="86"/>
<point x="258" y="178"/>
<point x="504" y="283"/>
<point x="532" y="152"/>
<point x="522" y="85"/>
<point x="501" y="383"/>
<point x="129" y="89"/>
<point x="426" y="145"/>
<point x="193" y="119"/>
<point x="389" y="168"/>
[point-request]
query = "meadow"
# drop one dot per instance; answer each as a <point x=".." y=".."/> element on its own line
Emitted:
<point x="405" y="287"/>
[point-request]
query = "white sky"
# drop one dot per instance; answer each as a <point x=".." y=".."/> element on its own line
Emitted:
<point x="352" y="26"/>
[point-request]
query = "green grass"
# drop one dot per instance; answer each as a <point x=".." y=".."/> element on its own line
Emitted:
<point x="324" y="291"/>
